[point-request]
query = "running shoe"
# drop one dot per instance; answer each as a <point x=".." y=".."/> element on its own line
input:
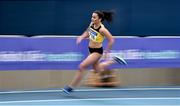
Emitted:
<point x="120" y="60"/>
<point x="67" y="89"/>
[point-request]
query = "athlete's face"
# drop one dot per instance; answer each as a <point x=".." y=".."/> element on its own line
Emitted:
<point x="95" y="18"/>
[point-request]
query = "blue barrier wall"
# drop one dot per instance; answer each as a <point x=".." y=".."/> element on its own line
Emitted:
<point x="54" y="53"/>
<point x="71" y="17"/>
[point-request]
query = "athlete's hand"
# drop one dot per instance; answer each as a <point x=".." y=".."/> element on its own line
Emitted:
<point x="79" y="39"/>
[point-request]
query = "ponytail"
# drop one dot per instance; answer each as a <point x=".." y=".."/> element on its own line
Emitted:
<point x="105" y="15"/>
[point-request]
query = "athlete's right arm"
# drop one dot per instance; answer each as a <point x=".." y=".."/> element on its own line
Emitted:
<point x="83" y="36"/>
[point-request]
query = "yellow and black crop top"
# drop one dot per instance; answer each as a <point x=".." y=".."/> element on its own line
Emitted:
<point x="95" y="35"/>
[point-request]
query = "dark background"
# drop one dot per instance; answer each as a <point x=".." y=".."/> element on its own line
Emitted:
<point x="71" y="17"/>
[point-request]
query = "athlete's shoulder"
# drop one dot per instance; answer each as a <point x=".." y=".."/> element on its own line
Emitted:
<point x="103" y="28"/>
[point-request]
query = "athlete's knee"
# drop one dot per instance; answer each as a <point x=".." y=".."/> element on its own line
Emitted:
<point x="103" y="65"/>
<point x="82" y="67"/>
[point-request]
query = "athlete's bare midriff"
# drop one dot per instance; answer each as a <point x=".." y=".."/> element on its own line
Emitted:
<point x="93" y="44"/>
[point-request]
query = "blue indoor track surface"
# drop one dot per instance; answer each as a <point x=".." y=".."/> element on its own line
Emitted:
<point x="95" y="96"/>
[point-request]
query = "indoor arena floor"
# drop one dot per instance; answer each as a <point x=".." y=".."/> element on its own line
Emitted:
<point x="94" y="96"/>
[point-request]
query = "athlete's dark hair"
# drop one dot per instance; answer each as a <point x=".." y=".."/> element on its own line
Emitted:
<point x="105" y="15"/>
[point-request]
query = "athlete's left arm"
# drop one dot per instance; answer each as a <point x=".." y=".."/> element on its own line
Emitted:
<point x="109" y="37"/>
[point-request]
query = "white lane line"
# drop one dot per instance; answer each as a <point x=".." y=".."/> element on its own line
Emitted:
<point x="90" y="90"/>
<point x="94" y="99"/>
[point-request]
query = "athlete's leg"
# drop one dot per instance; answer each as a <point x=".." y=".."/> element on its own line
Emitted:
<point x="91" y="59"/>
<point x="105" y="64"/>
<point x="101" y="66"/>
<point x="96" y="67"/>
